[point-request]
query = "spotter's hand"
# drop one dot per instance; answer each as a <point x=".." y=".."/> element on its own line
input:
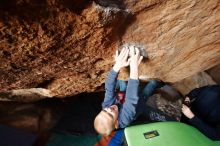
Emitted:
<point x="187" y="112"/>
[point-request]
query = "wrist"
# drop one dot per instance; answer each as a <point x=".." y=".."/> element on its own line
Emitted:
<point x="116" y="68"/>
<point x="134" y="75"/>
<point x="133" y="69"/>
<point x="191" y="116"/>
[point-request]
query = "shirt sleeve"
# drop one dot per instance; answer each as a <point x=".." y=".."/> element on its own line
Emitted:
<point x="209" y="131"/>
<point x="128" y="111"/>
<point x="110" y="89"/>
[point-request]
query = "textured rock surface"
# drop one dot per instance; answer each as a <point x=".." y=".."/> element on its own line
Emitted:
<point x="44" y="115"/>
<point x="67" y="46"/>
<point x="215" y="73"/>
<point x="181" y="37"/>
<point x="32" y="117"/>
<point x="56" y="43"/>
<point x="25" y="95"/>
<point x="195" y="81"/>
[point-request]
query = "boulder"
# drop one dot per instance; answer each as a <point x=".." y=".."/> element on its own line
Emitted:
<point x="67" y="46"/>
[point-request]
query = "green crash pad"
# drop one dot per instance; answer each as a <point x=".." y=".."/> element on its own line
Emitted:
<point x="166" y="134"/>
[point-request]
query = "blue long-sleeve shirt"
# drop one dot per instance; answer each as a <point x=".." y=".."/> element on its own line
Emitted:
<point x="127" y="112"/>
<point x="133" y="107"/>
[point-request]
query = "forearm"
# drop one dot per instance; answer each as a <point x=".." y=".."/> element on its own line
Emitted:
<point x="110" y="88"/>
<point x="116" y="68"/>
<point x="132" y="89"/>
<point x="134" y="73"/>
<point x="209" y="131"/>
<point x="128" y="111"/>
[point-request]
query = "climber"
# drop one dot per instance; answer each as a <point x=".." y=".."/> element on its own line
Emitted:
<point x="116" y="116"/>
<point x="111" y="117"/>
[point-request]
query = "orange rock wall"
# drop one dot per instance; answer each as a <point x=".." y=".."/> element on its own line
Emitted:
<point x="67" y="46"/>
<point x="181" y="37"/>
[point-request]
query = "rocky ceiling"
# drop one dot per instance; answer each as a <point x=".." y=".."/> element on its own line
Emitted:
<point x="66" y="46"/>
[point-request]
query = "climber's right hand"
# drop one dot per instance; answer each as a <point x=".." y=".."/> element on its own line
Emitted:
<point x="121" y="60"/>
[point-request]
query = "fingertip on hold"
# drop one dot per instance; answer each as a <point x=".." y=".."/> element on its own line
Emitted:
<point x="135" y="47"/>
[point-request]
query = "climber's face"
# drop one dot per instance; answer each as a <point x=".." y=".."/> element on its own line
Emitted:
<point x="111" y="112"/>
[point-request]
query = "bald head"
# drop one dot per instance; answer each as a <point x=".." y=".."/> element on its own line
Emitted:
<point x="104" y="124"/>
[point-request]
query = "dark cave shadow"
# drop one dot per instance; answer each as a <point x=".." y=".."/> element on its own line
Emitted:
<point x="111" y="3"/>
<point x="79" y="114"/>
<point x="33" y="11"/>
<point x="37" y="10"/>
<point x="73" y="115"/>
<point x="122" y="29"/>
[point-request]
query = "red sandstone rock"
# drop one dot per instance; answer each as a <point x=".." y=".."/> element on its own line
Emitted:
<point x="57" y="45"/>
<point x="195" y="81"/>
<point x="67" y="46"/>
<point x="181" y="37"/>
<point x="215" y="73"/>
